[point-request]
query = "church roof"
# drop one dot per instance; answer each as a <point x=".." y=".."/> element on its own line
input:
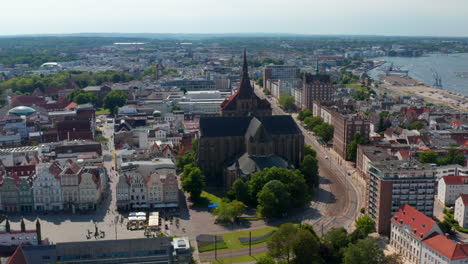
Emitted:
<point x="245" y="91"/>
<point x="250" y="164"/>
<point x="224" y="126"/>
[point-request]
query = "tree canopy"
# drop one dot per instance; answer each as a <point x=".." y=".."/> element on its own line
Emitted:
<point x="428" y="156"/>
<point x="325" y="131"/>
<point x="453" y="157"/>
<point x="303" y="114"/>
<point x="287" y="102"/>
<point x="296" y="244"/>
<point x="26" y="84"/>
<point x="366" y="224"/>
<point x="310" y="170"/>
<point x="292" y="180"/>
<point x="115" y="99"/>
<point x="229" y="211"/>
<point x="79" y="96"/>
<point x="187" y="158"/>
<point x="193" y="181"/>
<point x="239" y="191"/>
<point x="312" y="121"/>
<point x="351" y="152"/>
<point x="364" y="251"/>
<point x="308" y="150"/>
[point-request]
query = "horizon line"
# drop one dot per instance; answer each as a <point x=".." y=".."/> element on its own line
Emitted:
<point x="225" y="33"/>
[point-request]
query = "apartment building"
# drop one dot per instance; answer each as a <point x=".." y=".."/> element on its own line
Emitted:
<point x="345" y="128"/>
<point x="393" y="183"/>
<point x="461" y="210"/>
<point x="279" y="72"/>
<point x="316" y="87"/>
<point x="451" y="187"/>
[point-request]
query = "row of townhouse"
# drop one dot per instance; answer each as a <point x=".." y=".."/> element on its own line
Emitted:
<point x="418" y="239"/>
<point x="147" y="184"/>
<point x="50" y="186"/>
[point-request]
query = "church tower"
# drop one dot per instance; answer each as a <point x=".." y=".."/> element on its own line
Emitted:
<point x="245" y="102"/>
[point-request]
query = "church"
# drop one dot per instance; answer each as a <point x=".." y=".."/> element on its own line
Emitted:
<point x="246" y="138"/>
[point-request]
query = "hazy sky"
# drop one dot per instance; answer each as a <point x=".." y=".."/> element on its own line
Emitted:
<point x="381" y="17"/>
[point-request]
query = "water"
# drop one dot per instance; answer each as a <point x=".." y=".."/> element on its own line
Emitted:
<point x="423" y="68"/>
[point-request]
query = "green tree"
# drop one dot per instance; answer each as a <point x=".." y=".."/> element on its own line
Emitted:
<point x="310" y="170"/>
<point x="281" y="243"/>
<point x="287" y="102"/>
<point x="312" y="121"/>
<point x="101" y="139"/>
<point x="366" y="224"/>
<point x="325" y="131"/>
<point x="193" y="181"/>
<point x="351" y="152"/>
<point x="292" y="179"/>
<point x="79" y="96"/>
<point x="428" y="156"/>
<point x="267" y="259"/>
<point x="240" y="191"/>
<point x="393" y="259"/>
<point x="453" y="157"/>
<point x="229" y="211"/>
<point x="259" y="81"/>
<point x="335" y="240"/>
<point x="308" y="150"/>
<point x="416" y="125"/>
<point x="296" y="244"/>
<point x="175" y="108"/>
<point x="187" y="158"/>
<point x="306" y="248"/>
<point x="303" y="114"/>
<point x="274" y="199"/>
<point x="364" y="251"/>
<point x="115" y="99"/>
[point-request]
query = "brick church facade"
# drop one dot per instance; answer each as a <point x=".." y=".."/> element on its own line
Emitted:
<point x="246" y="138"/>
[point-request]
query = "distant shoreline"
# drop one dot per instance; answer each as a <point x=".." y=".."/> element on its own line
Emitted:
<point x="410" y="86"/>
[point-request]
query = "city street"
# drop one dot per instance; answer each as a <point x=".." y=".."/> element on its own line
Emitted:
<point x="332" y="208"/>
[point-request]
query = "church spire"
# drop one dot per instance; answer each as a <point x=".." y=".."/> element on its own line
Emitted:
<point x="245" y="67"/>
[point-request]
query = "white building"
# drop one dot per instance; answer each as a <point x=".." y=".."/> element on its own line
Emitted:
<point x="451" y="187"/>
<point x="418" y="239"/>
<point x="46" y="187"/>
<point x="439" y="249"/>
<point x="461" y="210"/>
<point x="147" y="184"/>
<point x="90" y="189"/>
<point x="409" y="228"/>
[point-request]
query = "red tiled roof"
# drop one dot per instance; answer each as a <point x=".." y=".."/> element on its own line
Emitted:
<point x="464" y="198"/>
<point x="420" y="224"/>
<point x="23" y="170"/>
<point x="455" y="180"/>
<point x="456" y="123"/>
<point x="71" y="106"/>
<point x="55" y="169"/>
<point x="404" y="154"/>
<point x="17" y="257"/>
<point x="449" y="248"/>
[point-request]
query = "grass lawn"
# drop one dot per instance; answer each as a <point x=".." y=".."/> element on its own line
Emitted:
<point x="207" y="198"/>
<point x="254" y="257"/>
<point x="102" y="111"/>
<point x="211" y="247"/>
<point x="358" y="87"/>
<point x="232" y="239"/>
